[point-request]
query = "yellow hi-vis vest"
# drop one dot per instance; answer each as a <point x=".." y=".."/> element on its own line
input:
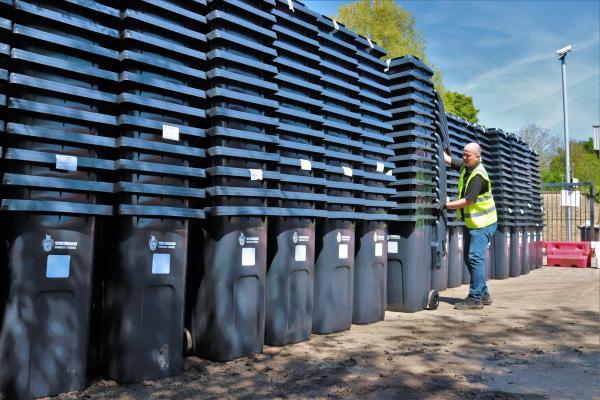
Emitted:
<point x="482" y="212"/>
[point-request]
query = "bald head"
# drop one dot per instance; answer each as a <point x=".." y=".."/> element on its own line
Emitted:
<point x="473" y="148"/>
<point x="471" y="155"/>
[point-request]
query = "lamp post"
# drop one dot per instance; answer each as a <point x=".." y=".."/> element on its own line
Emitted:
<point x="562" y="53"/>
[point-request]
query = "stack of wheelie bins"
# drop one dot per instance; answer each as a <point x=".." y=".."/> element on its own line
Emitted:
<point x="521" y="176"/>
<point x="370" y="266"/>
<point x="416" y="173"/>
<point x="335" y="242"/>
<point x="291" y="235"/>
<point x="512" y="193"/>
<point x="537" y="211"/>
<point x="226" y="275"/>
<point x="497" y="157"/>
<point x="159" y="188"/>
<point x="439" y="245"/>
<point x="5" y="32"/>
<point x="61" y="124"/>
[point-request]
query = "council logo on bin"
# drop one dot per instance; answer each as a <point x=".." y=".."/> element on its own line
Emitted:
<point x="242" y="239"/>
<point x="47" y="243"/>
<point x="152" y="243"/>
<point x="295" y="237"/>
<point x="375" y="236"/>
<point x="339" y="237"/>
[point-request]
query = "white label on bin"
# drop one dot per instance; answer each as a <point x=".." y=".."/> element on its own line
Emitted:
<point x="256" y="174"/>
<point x="378" y="249"/>
<point x="170" y="132"/>
<point x="335" y="25"/>
<point x="305" y="165"/>
<point x="343" y="251"/>
<point x="393" y="247"/>
<point x="291" y="5"/>
<point x="380" y="167"/>
<point x="62" y="245"/>
<point x="57" y="266"/>
<point x="167" y="245"/>
<point x="347" y="171"/>
<point x="387" y="62"/>
<point x="389" y="172"/>
<point x="161" y="264"/>
<point x="522" y="212"/>
<point x="300" y="252"/>
<point x="252" y="239"/>
<point x="370" y="43"/>
<point x="66" y="163"/>
<point x="248" y="256"/>
<point x="460" y="240"/>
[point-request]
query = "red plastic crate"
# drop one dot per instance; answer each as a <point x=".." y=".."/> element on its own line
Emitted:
<point x="569" y="254"/>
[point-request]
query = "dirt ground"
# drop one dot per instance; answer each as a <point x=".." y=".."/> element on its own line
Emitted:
<point x="540" y="339"/>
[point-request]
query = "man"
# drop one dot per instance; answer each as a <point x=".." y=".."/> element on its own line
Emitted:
<point x="476" y="207"/>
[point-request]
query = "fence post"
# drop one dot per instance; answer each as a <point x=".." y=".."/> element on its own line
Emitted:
<point x="592" y="212"/>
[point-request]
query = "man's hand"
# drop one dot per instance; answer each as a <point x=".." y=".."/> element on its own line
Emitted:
<point x="440" y="207"/>
<point x="447" y="158"/>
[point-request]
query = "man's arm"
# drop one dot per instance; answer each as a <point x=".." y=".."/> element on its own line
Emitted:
<point x="461" y="203"/>
<point x="472" y="191"/>
<point x="454" y="163"/>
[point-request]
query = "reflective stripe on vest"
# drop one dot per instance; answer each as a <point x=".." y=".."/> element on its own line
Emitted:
<point x="482" y="212"/>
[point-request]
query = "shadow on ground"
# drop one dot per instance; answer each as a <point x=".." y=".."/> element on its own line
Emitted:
<point x="528" y="345"/>
<point x="324" y="368"/>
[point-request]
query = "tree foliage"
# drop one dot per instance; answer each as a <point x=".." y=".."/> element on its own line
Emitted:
<point x="542" y="141"/>
<point x="393" y="28"/>
<point x="461" y="105"/>
<point x="585" y="165"/>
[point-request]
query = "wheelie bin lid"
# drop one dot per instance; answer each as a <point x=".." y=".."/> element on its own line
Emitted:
<point x="160" y="211"/>
<point x="55" y="207"/>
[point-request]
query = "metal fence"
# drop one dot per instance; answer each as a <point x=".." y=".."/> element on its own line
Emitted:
<point x="570" y="211"/>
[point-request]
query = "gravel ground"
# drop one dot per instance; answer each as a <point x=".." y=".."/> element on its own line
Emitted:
<point x="539" y="340"/>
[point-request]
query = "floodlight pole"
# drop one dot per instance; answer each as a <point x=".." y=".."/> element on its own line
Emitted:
<point x="562" y="56"/>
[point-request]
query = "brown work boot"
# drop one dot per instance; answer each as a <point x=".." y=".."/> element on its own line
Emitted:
<point x="469" y="304"/>
<point x="487" y="300"/>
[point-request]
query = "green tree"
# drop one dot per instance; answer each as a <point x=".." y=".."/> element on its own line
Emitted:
<point x="461" y="105"/>
<point x="385" y="22"/>
<point x="585" y="166"/>
<point x="393" y="28"/>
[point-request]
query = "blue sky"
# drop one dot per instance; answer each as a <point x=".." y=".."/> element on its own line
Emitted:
<point x="503" y="54"/>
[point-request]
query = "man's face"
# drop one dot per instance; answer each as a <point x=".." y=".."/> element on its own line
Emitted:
<point x="470" y="158"/>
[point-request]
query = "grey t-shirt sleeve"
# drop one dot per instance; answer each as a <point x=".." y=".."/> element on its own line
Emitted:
<point x="456" y="163"/>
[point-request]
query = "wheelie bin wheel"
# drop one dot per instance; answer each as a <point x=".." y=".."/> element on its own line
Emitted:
<point x="433" y="300"/>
